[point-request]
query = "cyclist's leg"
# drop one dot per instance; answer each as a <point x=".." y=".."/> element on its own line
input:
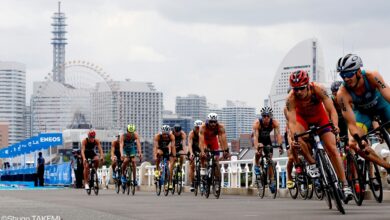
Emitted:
<point x="86" y="170"/>
<point x="171" y="165"/>
<point x="113" y="165"/>
<point x="302" y="126"/>
<point x="191" y="171"/>
<point x="96" y="162"/>
<point x="182" y="158"/>
<point x="329" y="141"/>
<point x="134" y="168"/>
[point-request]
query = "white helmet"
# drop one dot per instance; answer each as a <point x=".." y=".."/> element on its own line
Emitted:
<point x="198" y="123"/>
<point x="349" y="62"/>
<point x="212" y="117"/>
<point x="165" y="129"/>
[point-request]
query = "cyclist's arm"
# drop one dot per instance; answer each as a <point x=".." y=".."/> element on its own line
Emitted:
<point x="183" y="140"/>
<point x="139" y="149"/>
<point x="277" y="132"/>
<point x="113" y="150"/>
<point x="83" y="149"/>
<point x="376" y="79"/>
<point x="100" y="149"/>
<point x="121" y="143"/>
<point x="255" y="128"/>
<point x="190" y="136"/>
<point x="222" y="137"/>
<point x="291" y="115"/>
<point x="328" y="103"/>
<point x="345" y="102"/>
<point x="155" y="145"/>
<point x="201" y="138"/>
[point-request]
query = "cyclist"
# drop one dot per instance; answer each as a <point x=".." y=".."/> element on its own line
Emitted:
<point x="309" y="104"/>
<point x="180" y="142"/>
<point x="115" y="155"/>
<point x="88" y="152"/>
<point x="130" y="145"/>
<point x="212" y="136"/>
<point x="193" y="148"/>
<point x="342" y="124"/>
<point x="364" y="95"/>
<point x="164" y="143"/>
<point x="292" y="156"/>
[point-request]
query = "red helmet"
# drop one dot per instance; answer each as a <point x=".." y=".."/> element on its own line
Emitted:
<point x="91" y="134"/>
<point x="299" y="78"/>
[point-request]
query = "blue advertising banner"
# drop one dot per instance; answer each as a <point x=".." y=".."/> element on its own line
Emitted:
<point x="50" y="139"/>
<point x="58" y="174"/>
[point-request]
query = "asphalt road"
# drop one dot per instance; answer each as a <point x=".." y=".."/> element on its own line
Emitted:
<point x="76" y="204"/>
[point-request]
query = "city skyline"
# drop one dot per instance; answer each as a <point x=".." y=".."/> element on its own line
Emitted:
<point x="194" y="51"/>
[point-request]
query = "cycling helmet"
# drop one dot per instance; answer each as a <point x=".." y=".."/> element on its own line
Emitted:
<point x="177" y="128"/>
<point x="212" y="117"/>
<point x="165" y="129"/>
<point x="91" y="134"/>
<point x="198" y="123"/>
<point x="349" y="62"/>
<point x="299" y="78"/>
<point x="335" y="86"/>
<point x="131" y="128"/>
<point x="266" y="111"/>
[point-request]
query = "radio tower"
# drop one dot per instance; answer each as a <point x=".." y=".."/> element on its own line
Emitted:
<point x="59" y="42"/>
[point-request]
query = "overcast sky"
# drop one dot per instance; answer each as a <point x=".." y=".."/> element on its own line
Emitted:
<point x="223" y="49"/>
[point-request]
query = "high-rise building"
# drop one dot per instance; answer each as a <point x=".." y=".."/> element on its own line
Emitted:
<point x="128" y="102"/>
<point x="192" y="106"/>
<point x="27" y="122"/>
<point x="59" y="42"/>
<point x="3" y="134"/>
<point x="13" y="98"/>
<point x="306" y="55"/>
<point x="238" y="119"/>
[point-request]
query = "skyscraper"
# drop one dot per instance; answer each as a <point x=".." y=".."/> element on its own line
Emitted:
<point x="306" y="55"/>
<point x="59" y="42"/>
<point x="137" y="103"/>
<point x="192" y="106"/>
<point x="238" y="119"/>
<point x="13" y="98"/>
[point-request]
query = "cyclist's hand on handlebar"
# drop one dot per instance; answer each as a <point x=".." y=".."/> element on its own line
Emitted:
<point x="336" y="129"/>
<point x="226" y="155"/>
<point x="295" y="144"/>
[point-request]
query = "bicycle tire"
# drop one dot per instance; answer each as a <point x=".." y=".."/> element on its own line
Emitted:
<point x="208" y="183"/>
<point x="262" y="180"/>
<point x="310" y="188"/>
<point x="294" y="191"/>
<point x="217" y="182"/>
<point x="196" y="182"/>
<point x="275" y="179"/>
<point x="358" y="192"/>
<point x="386" y="137"/>
<point x="179" y="184"/>
<point x="174" y="180"/>
<point x="334" y="190"/>
<point x="303" y="187"/>
<point x="166" y="181"/>
<point x="376" y="191"/>
<point x="158" y="186"/>
<point x="96" y="186"/>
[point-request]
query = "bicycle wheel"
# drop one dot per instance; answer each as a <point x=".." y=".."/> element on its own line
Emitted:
<point x="196" y="182"/>
<point x="96" y="186"/>
<point x="158" y="185"/>
<point x="355" y="180"/>
<point x="166" y="182"/>
<point x="261" y="183"/>
<point x="375" y="182"/>
<point x="330" y="175"/>
<point x="217" y="182"/>
<point x="174" y="180"/>
<point x="294" y="191"/>
<point x="180" y="183"/>
<point x="129" y="178"/>
<point x="303" y="186"/>
<point x="310" y="188"/>
<point x="273" y="186"/>
<point x="209" y="180"/>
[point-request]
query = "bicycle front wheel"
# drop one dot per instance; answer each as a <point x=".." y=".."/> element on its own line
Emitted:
<point x="217" y="182"/>
<point x="375" y="181"/>
<point x="294" y="191"/>
<point x="96" y="185"/>
<point x="355" y="180"/>
<point x="273" y="186"/>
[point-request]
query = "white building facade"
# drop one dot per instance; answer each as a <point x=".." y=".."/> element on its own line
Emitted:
<point x="13" y="98"/>
<point x="306" y="55"/>
<point x="129" y="102"/>
<point x="238" y="119"/>
<point x="192" y="106"/>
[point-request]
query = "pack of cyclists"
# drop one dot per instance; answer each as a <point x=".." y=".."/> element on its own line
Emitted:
<point x="352" y="107"/>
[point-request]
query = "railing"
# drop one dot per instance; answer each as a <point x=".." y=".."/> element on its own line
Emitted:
<point x="235" y="173"/>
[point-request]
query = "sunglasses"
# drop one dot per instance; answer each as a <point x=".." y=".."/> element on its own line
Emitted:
<point x="300" y="88"/>
<point x="265" y="116"/>
<point x="348" y="74"/>
<point x="213" y="122"/>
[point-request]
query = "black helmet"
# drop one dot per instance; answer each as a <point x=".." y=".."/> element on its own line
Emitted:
<point x="177" y="127"/>
<point x="266" y="111"/>
<point x="335" y="86"/>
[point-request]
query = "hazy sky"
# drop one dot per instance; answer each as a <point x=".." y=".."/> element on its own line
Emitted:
<point x="222" y="49"/>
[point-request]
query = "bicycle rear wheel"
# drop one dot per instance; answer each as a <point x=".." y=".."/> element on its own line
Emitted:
<point x="310" y="188"/>
<point x="375" y="181"/>
<point x="303" y="186"/>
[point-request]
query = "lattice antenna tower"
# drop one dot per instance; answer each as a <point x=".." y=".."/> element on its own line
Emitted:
<point x="59" y="42"/>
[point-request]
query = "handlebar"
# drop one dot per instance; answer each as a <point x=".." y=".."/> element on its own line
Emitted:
<point x="312" y="130"/>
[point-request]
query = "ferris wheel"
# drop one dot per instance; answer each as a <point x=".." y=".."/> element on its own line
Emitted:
<point x="81" y="101"/>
